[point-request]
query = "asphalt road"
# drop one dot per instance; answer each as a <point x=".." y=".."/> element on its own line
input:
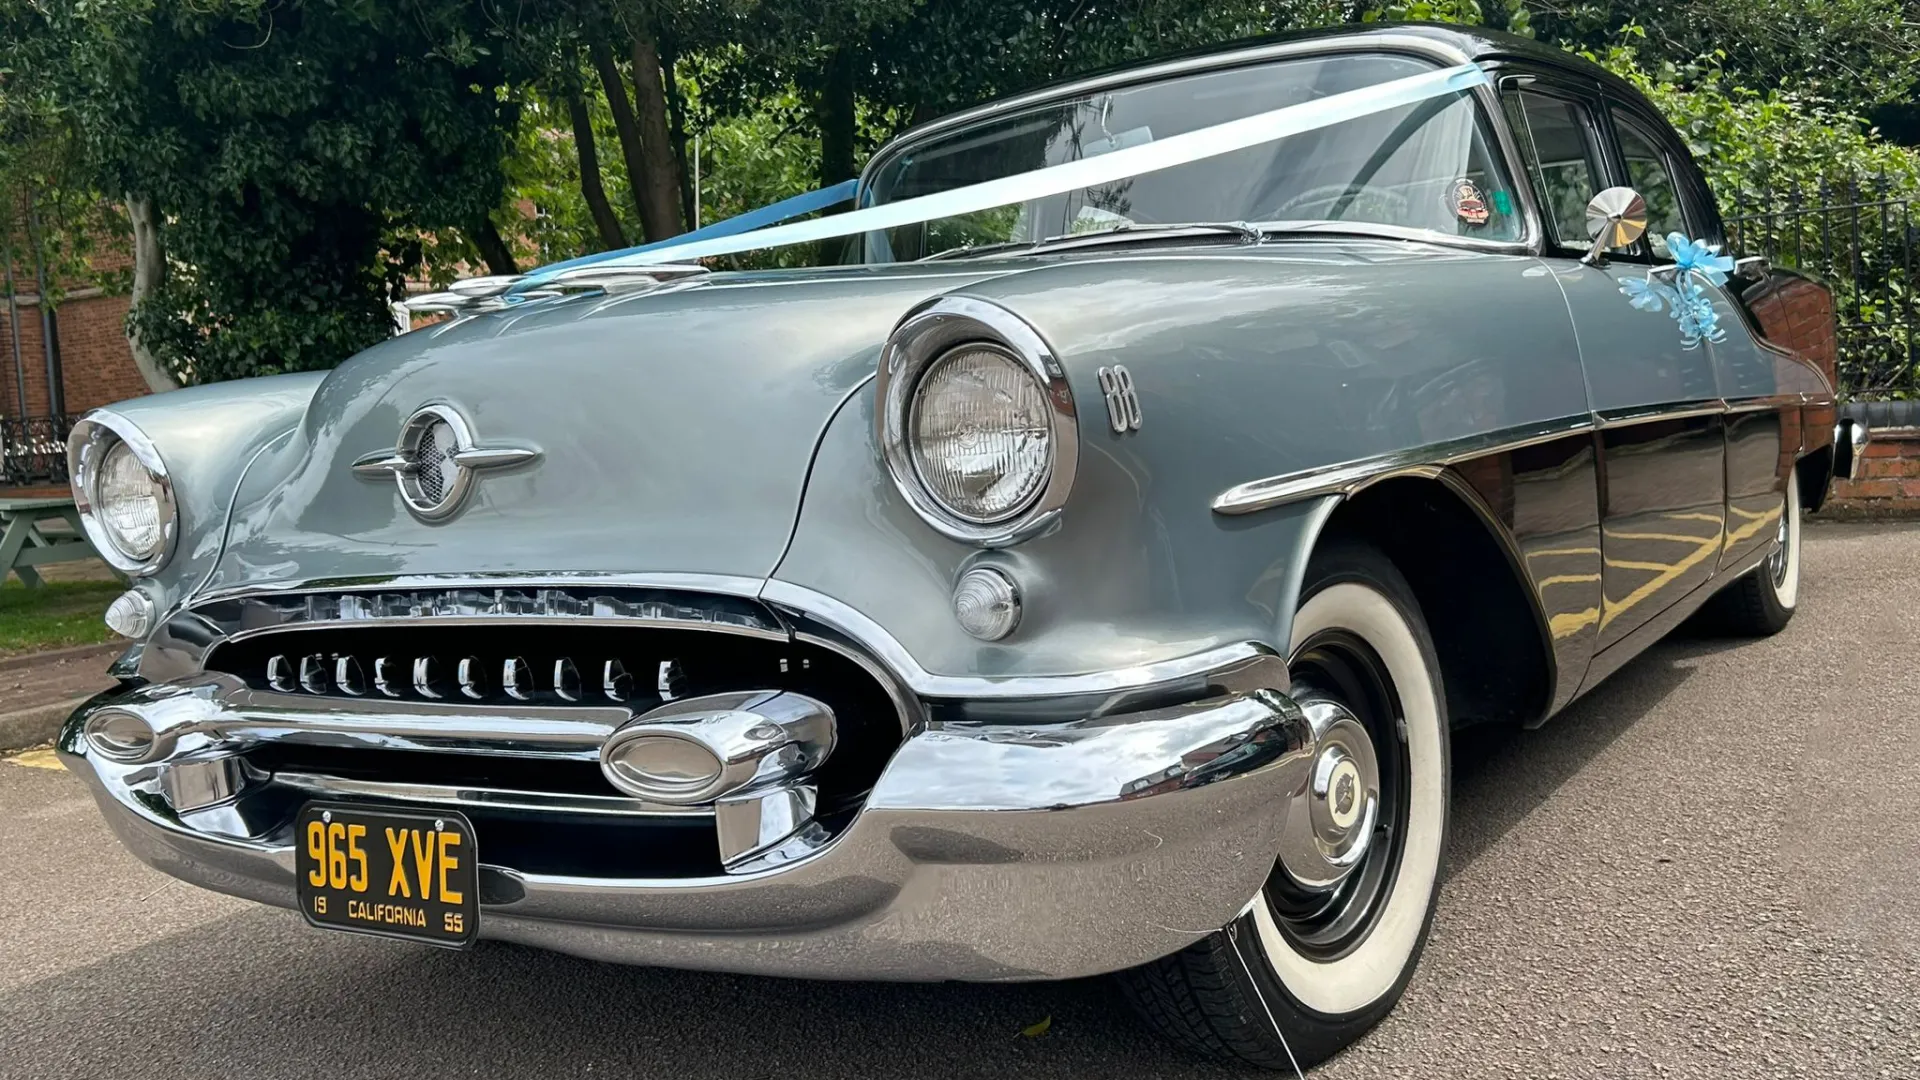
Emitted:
<point x="1709" y="867"/>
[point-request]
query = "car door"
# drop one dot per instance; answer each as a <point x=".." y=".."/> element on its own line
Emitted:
<point x="1656" y="402"/>
<point x="1757" y="380"/>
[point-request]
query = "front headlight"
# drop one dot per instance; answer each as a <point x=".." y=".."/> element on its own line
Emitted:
<point x="123" y="493"/>
<point x="982" y="434"/>
<point x="976" y="421"/>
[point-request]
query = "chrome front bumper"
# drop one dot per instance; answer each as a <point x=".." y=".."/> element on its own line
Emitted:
<point x="986" y="852"/>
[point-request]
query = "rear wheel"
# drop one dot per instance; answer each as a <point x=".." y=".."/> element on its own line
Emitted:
<point x="1327" y="947"/>
<point x="1762" y="601"/>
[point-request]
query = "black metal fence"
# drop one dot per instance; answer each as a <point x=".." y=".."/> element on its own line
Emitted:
<point x="33" y="451"/>
<point x="1860" y="238"/>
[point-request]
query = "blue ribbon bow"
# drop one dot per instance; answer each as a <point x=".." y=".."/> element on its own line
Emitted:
<point x="1686" y="300"/>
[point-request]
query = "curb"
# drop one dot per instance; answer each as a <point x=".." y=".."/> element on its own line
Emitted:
<point x="33" y="726"/>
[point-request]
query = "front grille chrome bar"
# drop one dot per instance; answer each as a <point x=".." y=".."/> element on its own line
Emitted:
<point x="476" y="798"/>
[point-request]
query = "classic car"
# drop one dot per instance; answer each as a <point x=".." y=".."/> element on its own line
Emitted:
<point x="1087" y="584"/>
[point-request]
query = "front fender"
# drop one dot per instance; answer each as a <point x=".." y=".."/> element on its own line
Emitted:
<point x="1248" y="363"/>
<point x="207" y="436"/>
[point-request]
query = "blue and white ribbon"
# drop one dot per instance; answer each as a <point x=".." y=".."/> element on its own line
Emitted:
<point x="1686" y="300"/>
<point x="1122" y="164"/>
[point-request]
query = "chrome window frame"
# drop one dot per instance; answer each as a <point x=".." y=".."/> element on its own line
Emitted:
<point x="1532" y="236"/>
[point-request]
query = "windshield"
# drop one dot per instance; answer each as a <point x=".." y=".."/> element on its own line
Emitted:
<point x="1425" y="166"/>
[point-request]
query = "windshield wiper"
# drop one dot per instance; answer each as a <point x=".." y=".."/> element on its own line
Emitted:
<point x="1247" y="232"/>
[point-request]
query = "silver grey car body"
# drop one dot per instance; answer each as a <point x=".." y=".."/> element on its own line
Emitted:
<point x="1563" y="479"/>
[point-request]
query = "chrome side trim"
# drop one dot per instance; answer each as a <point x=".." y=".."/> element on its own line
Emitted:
<point x="857" y="627"/>
<point x="923" y="336"/>
<point x="322" y="786"/>
<point x="1349" y="477"/>
<point x="1607" y="419"/>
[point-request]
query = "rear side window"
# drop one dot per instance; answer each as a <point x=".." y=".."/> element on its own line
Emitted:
<point x="1557" y="142"/>
<point x="1650" y="172"/>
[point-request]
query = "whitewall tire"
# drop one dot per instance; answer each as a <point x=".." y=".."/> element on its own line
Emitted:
<point x="1762" y="601"/>
<point x="1328" y="946"/>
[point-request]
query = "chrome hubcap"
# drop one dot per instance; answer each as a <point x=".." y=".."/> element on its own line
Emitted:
<point x="1331" y="820"/>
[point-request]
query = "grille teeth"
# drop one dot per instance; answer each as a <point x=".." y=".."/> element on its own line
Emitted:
<point x="566" y="679"/>
<point x="313" y="673"/>
<point x="426" y="678"/>
<point x="348" y="677"/>
<point x="280" y="674"/>
<point x="516" y="678"/>
<point x="386" y="676"/>
<point x="473" y="681"/>
<point x="616" y="682"/>
<point x="469" y="677"/>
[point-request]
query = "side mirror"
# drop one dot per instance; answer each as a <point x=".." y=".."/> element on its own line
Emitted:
<point x="1615" y="218"/>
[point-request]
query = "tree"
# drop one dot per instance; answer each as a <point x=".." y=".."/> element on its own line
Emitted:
<point x="300" y="158"/>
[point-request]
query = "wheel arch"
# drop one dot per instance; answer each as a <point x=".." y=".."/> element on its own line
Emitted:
<point x="1497" y="664"/>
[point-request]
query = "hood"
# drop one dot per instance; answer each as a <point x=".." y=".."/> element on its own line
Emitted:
<point x="674" y="429"/>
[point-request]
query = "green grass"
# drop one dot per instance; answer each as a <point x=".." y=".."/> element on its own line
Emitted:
<point x="55" y="615"/>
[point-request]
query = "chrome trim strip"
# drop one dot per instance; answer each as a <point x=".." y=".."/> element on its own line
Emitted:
<point x="1349" y="477"/>
<point x="929" y="332"/>
<point x="1765" y="403"/>
<point x="323" y="786"/>
<point x="844" y="619"/>
<point x="723" y="584"/>
<point x="1607" y="419"/>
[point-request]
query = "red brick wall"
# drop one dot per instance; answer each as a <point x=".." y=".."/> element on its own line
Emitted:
<point x="1889" y="476"/>
<point x="96" y="364"/>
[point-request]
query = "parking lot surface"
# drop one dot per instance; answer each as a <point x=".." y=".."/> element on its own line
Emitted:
<point x="1708" y="867"/>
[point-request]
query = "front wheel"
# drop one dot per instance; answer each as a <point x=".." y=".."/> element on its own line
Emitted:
<point x="1326" y="948"/>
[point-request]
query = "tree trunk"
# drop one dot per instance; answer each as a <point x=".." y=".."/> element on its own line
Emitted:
<point x="590" y="188"/>
<point x="660" y="190"/>
<point x="627" y="128"/>
<point x="834" y="112"/>
<point x="677" y="117"/>
<point x="149" y="273"/>
<point x="493" y="247"/>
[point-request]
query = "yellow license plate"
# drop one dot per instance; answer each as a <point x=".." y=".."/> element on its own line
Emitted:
<point x="395" y="874"/>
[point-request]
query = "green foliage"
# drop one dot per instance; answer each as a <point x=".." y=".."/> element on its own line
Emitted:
<point x="1849" y="54"/>
<point x="1775" y="160"/>
<point x="305" y="154"/>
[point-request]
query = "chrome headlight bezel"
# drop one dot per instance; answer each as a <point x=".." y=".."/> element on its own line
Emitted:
<point x="92" y="438"/>
<point x="930" y="333"/>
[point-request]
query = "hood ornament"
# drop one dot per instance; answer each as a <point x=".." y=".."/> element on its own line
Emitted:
<point x="435" y="461"/>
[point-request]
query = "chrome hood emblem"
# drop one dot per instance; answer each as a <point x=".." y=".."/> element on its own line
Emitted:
<point x="435" y="461"/>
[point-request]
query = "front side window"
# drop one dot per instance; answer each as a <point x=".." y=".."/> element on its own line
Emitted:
<point x="1429" y="165"/>
<point x="1649" y="173"/>
<point x="1558" y="144"/>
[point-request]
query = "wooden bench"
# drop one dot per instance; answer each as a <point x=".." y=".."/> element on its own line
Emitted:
<point x="23" y="544"/>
